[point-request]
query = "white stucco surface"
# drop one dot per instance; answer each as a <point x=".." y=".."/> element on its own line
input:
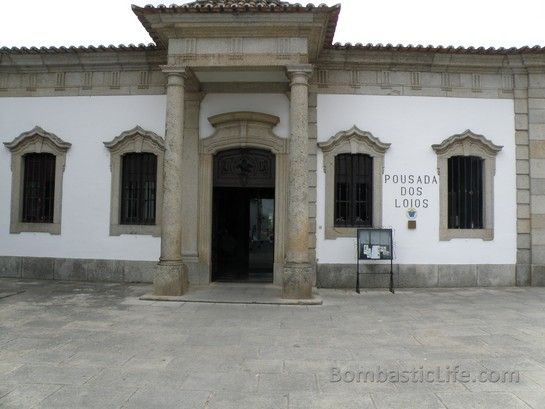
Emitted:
<point x="412" y="125"/>
<point x="273" y="104"/>
<point x="86" y="122"/>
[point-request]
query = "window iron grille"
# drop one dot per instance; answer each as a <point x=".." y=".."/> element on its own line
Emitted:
<point x="138" y="188"/>
<point x="353" y="190"/>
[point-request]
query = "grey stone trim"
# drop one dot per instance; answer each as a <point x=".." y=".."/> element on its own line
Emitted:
<point x="416" y="74"/>
<point x="417" y="275"/>
<point x="519" y="82"/>
<point x="70" y="269"/>
<point x="467" y="144"/>
<point x="73" y="81"/>
<point x="36" y="140"/>
<point x="233" y="130"/>
<point x="82" y="71"/>
<point x="134" y="140"/>
<point x="312" y="175"/>
<point x="328" y="275"/>
<point x="532" y="120"/>
<point x="351" y="141"/>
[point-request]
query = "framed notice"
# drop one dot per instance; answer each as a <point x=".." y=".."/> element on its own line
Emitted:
<point x="374" y="245"/>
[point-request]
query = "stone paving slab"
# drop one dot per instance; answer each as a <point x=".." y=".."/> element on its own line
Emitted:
<point x="96" y="345"/>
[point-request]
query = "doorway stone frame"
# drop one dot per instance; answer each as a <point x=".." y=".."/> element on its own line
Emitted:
<point x="242" y="130"/>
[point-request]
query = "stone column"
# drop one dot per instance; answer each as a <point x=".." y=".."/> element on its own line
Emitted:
<point x="297" y="277"/>
<point x="171" y="274"/>
<point x="190" y="198"/>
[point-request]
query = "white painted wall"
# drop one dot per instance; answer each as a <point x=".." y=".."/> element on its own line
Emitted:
<point x="85" y="122"/>
<point x="412" y="125"/>
<point x="273" y="104"/>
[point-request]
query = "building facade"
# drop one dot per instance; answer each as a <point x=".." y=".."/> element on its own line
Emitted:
<point x="277" y="146"/>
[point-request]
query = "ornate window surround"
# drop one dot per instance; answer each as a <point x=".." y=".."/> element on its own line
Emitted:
<point x="36" y="140"/>
<point x="467" y="144"/>
<point x="135" y="140"/>
<point x="351" y="141"/>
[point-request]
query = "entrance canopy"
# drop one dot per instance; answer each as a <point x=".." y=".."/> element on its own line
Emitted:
<point x="215" y="33"/>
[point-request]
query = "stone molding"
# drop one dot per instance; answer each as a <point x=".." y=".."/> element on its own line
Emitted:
<point x="466" y="139"/>
<point x="299" y="74"/>
<point x="136" y="140"/>
<point x="352" y="141"/>
<point x="221" y="119"/>
<point x="240" y="130"/>
<point x="467" y="144"/>
<point x="37" y="134"/>
<point x="37" y="140"/>
<point x="243" y="129"/>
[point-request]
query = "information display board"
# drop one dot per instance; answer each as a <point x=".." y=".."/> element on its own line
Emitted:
<point x="374" y="244"/>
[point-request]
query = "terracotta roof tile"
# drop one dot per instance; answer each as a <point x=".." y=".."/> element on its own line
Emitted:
<point x="233" y="5"/>
<point x="77" y="49"/>
<point x="438" y="49"/>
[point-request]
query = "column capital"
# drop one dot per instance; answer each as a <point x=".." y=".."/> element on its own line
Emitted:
<point x="176" y="74"/>
<point x="299" y="74"/>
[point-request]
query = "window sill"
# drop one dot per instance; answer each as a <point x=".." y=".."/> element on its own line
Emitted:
<point x="135" y="229"/>
<point x="483" y="234"/>
<point x="20" y="227"/>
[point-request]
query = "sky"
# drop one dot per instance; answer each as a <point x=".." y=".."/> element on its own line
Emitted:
<point x="488" y="23"/>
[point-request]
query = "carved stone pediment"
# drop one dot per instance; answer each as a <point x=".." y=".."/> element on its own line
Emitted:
<point x="466" y="143"/>
<point x="135" y="140"/>
<point x="37" y="136"/>
<point x="244" y="130"/>
<point x="351" y="139"/>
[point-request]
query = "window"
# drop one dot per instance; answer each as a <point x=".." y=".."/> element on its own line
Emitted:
<point x="136" y="162"/>
<point x="353" y="190"/>
<point x="38" y="187"/>
<point x="466" y="164"/>
<point x="353" y="165"/>
<point x="37" y="163"/>
<point x="138" y="188"/>
<point x="465" y="192"/>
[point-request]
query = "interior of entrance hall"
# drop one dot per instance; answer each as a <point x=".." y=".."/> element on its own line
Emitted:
<point x="243" y="216"/>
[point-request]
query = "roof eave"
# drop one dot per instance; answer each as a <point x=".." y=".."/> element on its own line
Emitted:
<point x="332" y="11"/>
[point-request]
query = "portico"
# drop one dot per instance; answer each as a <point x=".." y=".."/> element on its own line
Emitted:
<point x="262" y="50"/>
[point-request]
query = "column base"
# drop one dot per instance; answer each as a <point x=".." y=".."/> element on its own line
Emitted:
<point x="170" y="279"/>
<point x="297" y="281"/>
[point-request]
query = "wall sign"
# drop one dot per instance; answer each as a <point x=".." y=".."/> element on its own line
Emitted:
<point x="412" y="190"/>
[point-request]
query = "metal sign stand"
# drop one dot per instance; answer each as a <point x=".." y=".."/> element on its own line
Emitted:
<point x="380" y="245"/>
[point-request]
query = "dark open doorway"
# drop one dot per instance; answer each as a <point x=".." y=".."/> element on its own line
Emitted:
<point x="243" y="216"/>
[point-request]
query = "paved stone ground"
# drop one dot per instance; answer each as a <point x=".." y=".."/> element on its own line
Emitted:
<point x="81" y="345"/>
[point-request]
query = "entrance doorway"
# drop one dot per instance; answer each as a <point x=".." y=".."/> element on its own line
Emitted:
<point x="243" y="215"/>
